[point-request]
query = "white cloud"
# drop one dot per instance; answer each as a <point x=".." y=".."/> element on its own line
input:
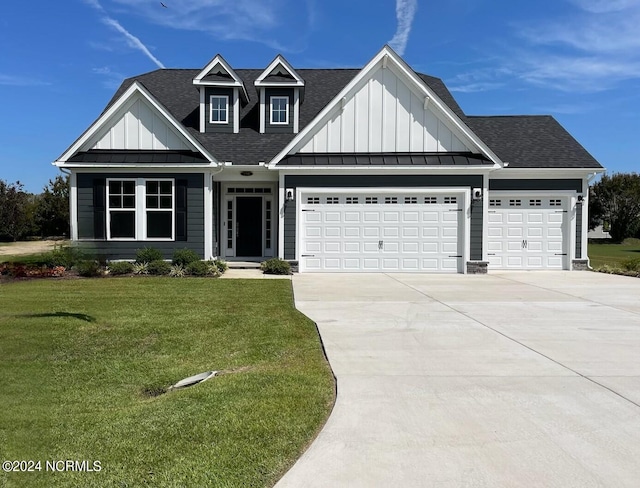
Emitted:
<point x="280" y="24"/>
<point x="133" y="41"/>
<point x="593" y="48"/>
<point x="405" y="12"/>
<point x="111" y="79"/>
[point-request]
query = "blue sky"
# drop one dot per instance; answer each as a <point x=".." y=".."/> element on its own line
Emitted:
<point x="579" y="60"/>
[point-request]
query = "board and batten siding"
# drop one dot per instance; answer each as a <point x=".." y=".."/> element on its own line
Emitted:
<point x="377" y="181"/>
<point x="138" y="125"/>
<point x="87" y="183"/>
<point x="384" y="115"/>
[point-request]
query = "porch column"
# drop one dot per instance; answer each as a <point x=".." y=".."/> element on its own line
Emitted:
<point x="208" y="216"/>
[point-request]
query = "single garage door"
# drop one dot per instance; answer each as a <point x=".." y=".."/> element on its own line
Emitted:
<point x="358" y="232"/>
<point x="526" y="232"/>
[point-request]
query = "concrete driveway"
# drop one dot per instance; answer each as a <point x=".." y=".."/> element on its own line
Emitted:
<point x="502" y="380"/>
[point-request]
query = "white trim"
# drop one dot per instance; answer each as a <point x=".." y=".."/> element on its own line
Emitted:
<point x="73" y="205"/>
<point x="202" y="111"/>
<point x="281" y="208"/>
<point x="263" y="115"/>
<point x="585" y="219"/>
<point x="219" y="60"/>
<point x="286" y="111"/>
<point x="410" y="75"/>
<point x="279" y="60"/>
<point x="135" y="166"/>
<point x="382" y="170"/>
<point x="296" y="110"/>
<point x="543" y="173"/>
<point x="485" y="211"/>
<point x="226" y="109"/>
<point x="236" y="111"/>
<point x="464" y="226"/>
<point x="208" y="216"/>
<point x="105" y="118"/>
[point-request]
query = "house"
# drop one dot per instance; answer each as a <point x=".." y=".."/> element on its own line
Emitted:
<point x="361" y="170"/>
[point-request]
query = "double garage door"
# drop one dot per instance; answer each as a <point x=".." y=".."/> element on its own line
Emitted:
<point x="527" y="232"/>
<point x="369" y="232"/>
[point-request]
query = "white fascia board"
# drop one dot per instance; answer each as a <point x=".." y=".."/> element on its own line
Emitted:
<point x="543" y="173"/>
<point x="279" y="60"/>
<point x="135" y="88"/>
<point x="219" y="60"/>
<point x="387" y="53"/>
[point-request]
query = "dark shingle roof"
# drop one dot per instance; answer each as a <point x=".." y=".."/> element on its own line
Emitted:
<point x="531" y="141"/>
<point x="524" y="141"/>
<point x="137" y="156"/>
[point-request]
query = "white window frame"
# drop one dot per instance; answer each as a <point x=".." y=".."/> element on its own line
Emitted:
<point x="226" y="98"/>
<point x="140" y="210"/>
<point x="271" y="111"/>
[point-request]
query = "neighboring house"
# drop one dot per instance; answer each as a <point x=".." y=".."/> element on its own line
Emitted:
<point x="362" y="170"/>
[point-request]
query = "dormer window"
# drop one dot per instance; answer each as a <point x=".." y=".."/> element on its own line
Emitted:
<point x="279" y="110"/>
<point x="219" y="109"/>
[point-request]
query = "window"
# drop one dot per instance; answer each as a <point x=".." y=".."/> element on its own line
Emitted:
<point x="390" y="200"/>
<point x="313" y="200"/>
<point x="535" y="203"/>
<point x="515" y="203"/>
<point x="371" y="200"/>
<point x="141" y="209"/>
<point x="121" y="205"/>
<point x="333" y="200"/>
<point x="279" y="110"/>
<point x="219" y="109"/>
<point x="555" y="202"/>
<point x="352" y="200"/>
<point x="430" y="200"/>
<point x="495" y="203"/>
<point x="410" y="200"/>
<point x="449" y="200"/>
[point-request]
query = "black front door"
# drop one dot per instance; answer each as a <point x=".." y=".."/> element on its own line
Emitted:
<point x="248" y="226"/>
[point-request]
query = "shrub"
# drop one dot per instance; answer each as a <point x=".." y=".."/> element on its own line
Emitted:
<point x="177" y="271"/>
<point x="148" y="254"/>
<point x="632" y="264"/>
<point x="275" y="266"/>
<point x="88" y="268"/>
<point x="221" y="265"/>
<point x="140" y="268"/>
<point x="183" y="257"/>
<point x="159" y="267"/>
<point x="120" y="268"/>
<point x="198" y="268"/>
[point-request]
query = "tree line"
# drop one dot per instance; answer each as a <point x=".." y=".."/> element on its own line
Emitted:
<point x="24" y="215"/>
<point x="615" y="202"/>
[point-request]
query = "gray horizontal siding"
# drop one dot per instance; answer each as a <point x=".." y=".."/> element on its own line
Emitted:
<point x="380" y="181"/>
<point x="127" y="249"/>
<point x="477" y="217"/>
<point x="536" y="184"/>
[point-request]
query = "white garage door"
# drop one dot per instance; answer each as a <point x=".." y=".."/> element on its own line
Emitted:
<point x="359" y="232"/>
<point x="526" y="232"/>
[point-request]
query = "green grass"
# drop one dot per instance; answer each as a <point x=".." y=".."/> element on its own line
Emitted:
<point x="613" y="254"/>
<point x="81" y="360"/>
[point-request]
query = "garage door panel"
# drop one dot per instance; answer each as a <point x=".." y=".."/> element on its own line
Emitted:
<point x="528" y="235"/>
<point x="381" y="233"/>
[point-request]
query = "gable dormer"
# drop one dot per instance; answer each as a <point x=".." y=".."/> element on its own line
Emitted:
<point x="280" y="89"/>
<point x="221" y="93"/>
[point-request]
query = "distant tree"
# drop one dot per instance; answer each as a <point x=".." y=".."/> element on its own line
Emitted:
<point x="52" y="208"/>
<point x="615" y="199"/>
<point x="16" y="211"/>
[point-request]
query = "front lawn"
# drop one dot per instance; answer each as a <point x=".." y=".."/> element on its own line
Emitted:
<point x="613" y="254"/>
<point x="85" y="363"/>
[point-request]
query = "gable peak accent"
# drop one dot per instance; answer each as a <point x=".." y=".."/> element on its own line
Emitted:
<point x="279" y="68"/>
<point x="219" y="73"/>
